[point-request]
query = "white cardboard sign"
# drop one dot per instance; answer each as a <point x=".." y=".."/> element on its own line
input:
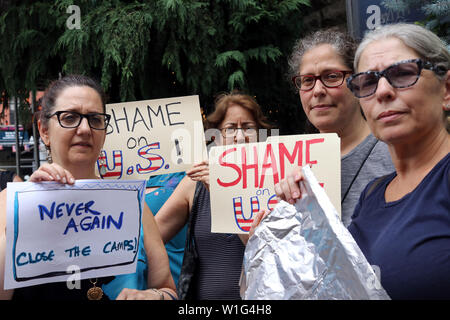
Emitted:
<point x="242" y="177"/>
<point x="93" y="226"/>
<point x="152" y="137"/>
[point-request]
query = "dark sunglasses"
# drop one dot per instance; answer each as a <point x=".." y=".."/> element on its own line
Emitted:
<point x="402" y="74"/>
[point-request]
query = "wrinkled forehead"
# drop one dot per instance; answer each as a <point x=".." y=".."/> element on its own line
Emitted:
<point x="379" y="54"/>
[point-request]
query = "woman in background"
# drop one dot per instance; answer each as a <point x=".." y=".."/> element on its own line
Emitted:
<point x="216" y="272"/>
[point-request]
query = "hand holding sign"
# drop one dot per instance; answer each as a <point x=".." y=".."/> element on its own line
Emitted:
<point x="200" y="172"/>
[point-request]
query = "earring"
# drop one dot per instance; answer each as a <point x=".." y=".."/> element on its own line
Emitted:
<point x="447" y="107"/>
<point x="101" y="164"/>
<point x="49" y="155"/>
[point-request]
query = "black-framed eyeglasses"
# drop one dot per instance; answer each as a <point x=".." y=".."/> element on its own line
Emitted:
<point x="330" y="79"/>
<point x="232" y="131"/>
<point x="72" y="119"/>
<point x="402" y="74"/>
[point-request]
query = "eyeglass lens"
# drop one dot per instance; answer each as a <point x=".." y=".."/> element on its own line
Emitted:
<point x="231" y="132"/>
<point x="329" y="79"/>
<point x="73" y="120"/>
<point x="401" y="75"/>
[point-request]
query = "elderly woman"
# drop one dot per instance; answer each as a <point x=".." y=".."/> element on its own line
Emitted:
<point x="402" y="221"/>
<point x="216" y="272"/>
<point x="73" y="125"/>
<point x="319" y="65"/>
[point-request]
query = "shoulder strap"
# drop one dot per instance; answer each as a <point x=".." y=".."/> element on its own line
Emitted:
<point x="374" y="185"/>
<point x="191" y="220"/>
<point x="359" y="169"/>
<point x="186" y="283"/>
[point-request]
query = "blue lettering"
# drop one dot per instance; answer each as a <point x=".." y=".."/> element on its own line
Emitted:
<point x="23" y="254"/>
<point x="95" y="223"/>
<point x="43" y="209"/>
<point x="69" y="209"/>
<point x="85" y="226"/>
<point x="117" y="224"/>
<point x="106" y="245"/>
<point x="38" y="257"/>
<point x="59" y="207"/>
<point x="78" y="210"/>
<point x="88" y="209"/>
<point x="126" y="245"/>
<point x="71" y="224"/>
<point x="86" y="251"/>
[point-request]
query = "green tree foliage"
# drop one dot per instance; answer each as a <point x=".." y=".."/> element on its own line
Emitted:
<point x="156" y="49"/>
<point x="437" y="14"/>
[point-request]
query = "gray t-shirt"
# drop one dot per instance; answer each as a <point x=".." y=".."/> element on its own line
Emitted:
<point x="375" y="164"/>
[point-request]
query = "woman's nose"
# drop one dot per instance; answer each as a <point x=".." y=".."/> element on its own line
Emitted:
<point x="319" y="88"/>
<point x="239" y="137"/>
<point x="84" y="126"/>
<point x="384" y="89"/>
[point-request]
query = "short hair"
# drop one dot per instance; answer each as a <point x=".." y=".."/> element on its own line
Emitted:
<point x="423" y="41"/>
<point x="340" y="40"/>
<point x="224" y="100"/>
<point x="57" y="86"/>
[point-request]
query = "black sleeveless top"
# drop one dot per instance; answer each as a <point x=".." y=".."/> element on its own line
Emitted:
<point x="220" y="255"/>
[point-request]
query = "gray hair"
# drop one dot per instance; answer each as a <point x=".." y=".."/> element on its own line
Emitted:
<point x="343" y="43"/>
<point x="424" y="42"/>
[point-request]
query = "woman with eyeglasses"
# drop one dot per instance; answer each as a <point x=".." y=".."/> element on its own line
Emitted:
<point x="215" y="273"/>
<point x="319" y="65"/>
<point x="72" y="124"/>
<point x="402" y="221"/>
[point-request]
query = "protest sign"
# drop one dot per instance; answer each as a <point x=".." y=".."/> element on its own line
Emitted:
<point x="93" y="226"/>
<point x="242" y="177"/>
<point x="152" y="137"/>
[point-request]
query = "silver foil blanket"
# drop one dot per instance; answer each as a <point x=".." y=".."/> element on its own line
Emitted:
<point x="303" y="251"/>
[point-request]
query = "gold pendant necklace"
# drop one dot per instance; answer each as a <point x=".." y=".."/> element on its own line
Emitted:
<point x="94" y="293"/>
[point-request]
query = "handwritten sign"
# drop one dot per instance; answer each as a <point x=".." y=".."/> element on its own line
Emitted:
<point x="93" y="225"/>
<point x="152" y="137"/>
<point x="243" y="177"/>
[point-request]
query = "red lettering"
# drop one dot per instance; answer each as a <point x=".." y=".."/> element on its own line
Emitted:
<point x="272" y="165"/>
<point x="308" y="146"/>
<point x="231" y="165"/>
<point x="246" y="166"/>
<point x="291" y="157"/>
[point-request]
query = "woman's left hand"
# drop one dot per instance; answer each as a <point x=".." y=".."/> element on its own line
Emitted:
<point x="133" y="294"/>
<point x="52" y="172"/>
<point x="200" y="172"/>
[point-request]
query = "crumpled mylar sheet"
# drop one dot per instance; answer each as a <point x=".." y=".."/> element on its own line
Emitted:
<point x="303" y="251"/>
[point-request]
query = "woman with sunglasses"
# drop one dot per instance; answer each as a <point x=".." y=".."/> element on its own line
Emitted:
<point x="72" y="124"/>
<point x="215" y="274"/>
<point x="320" y="63"/>
<point x="402" y="221"/>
